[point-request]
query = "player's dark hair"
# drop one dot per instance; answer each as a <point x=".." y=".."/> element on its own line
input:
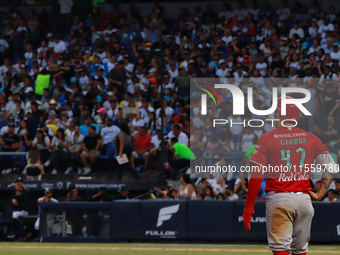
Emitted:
<point x="177" y="126"/>
<point x="93" y="127"/>
<point x="174" y="140"/>
<point x="186" y="179"/>
<point x="212" y="194"/>
<point x="125" y="128"/>
<point x="220" y="195"/>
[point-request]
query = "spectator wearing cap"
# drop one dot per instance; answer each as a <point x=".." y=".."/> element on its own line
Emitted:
<point x="4" y="129"/>
<point x="101" y="117"/>
<point x="91" y="145"/>
<point x="108" y="66"/>
<point x="106" y="103"/>
<point x="20" y="199"/>
<point x="50" y="215"/>
<point x="20" y="205"/>
<point x="313" y="29"/>
<point x="186" y="61"/>
<point x="100" y="74"/>
<point x="52" y="119"/>
<point x="21" y="115"/>
<point x="52" y="106"/>
<point x="142" y="145"/>
<point x="10" y="143"/>
<point x="181" y="111"/>
<point x="166" y="84"/>
<point x="222" y="71"/>
<point x="335" y="67"/>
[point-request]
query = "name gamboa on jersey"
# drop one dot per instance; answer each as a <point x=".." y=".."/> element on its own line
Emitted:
<point x="288" y="153"/>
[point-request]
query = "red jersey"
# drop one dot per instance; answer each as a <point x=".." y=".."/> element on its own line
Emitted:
<point x="142" y="142"/>
<point x="288" y="154"/>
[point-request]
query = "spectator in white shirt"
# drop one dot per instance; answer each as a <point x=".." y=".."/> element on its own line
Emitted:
<point x="109" y="133"/>
<point x="328" y="47"/>
<point x="313" y="29"/>
<point x="59" y="46"/>
<point x="42" y="49"/>
<point x="262" y="66"/>
<point x="176" y="132"/>
<point x="173" y="71"/>
<point x="336" y="53"/>
<point x="166" y="84"/>
<point x="327" y="26"/>
<point x="240" y="12"/>
<point x="283" y="12"/>
<point x="169" y="112"/>
<point x="83" y="79"/>
<point x="296" y="30"/>
<point x="3" y="44"/>
<point x="314" y="48"/>
<point x="222" y="70"/>
<point x="112" y="112"/>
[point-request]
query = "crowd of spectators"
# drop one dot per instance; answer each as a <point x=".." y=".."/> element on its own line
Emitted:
<point x="73" y="94"/>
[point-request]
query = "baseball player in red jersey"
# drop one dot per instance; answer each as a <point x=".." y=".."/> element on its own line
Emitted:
<point x="289" y="210"/>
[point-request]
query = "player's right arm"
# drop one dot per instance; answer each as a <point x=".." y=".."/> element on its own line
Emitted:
<point x="330" y="168"/>
<point x="258" y="159"/>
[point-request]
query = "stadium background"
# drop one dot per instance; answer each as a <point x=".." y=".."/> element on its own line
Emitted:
<point x="169" y="17"/>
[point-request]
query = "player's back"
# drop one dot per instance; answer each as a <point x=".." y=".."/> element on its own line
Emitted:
<point x="288" y="154"/>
